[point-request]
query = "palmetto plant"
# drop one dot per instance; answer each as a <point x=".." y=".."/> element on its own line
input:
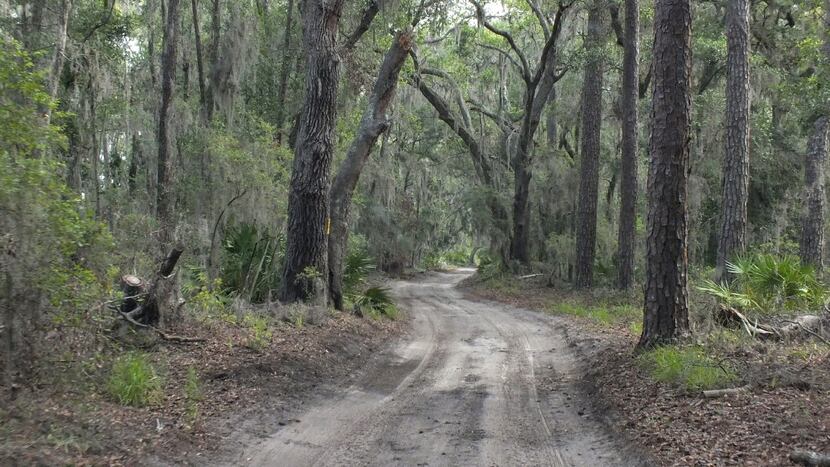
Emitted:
<point x="252" y="260"/>
<point x="768" y="283"/>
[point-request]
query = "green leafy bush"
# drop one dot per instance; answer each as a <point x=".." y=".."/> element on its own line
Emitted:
<point x="251" y="266"/>
<point x="687" y="367"/>
<point x="357" y="267"/>
<point x="768" y="283"/>
<point x="133" y="381"/>
<point x="377" y="301"/>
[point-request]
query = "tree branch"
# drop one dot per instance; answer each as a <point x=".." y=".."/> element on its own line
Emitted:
<point x="507" y="36"/>
<point x="365" y="21"/>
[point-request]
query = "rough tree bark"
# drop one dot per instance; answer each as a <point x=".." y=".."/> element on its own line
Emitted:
<point x="285" y="69"/>
<point x="372" y="125"/>
<point x="200" y="67"/>
<point x="164" y="187"/>
<point x="60" y="49"/>
<point x="666" y="313"/>
<point x="305" y="269"/>
<point x="630" y="133"/>
<point x="586" y="230"/>
<point x="811" y="247"/>
<point x="735" y="190"/>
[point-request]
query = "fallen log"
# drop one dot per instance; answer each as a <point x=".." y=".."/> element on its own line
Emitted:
<point x="783" y="329"/>
<point x="810" y="458"/>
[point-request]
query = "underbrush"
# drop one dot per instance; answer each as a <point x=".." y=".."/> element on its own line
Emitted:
<point x="689" y="368"/>
<point x="133" y="381"/>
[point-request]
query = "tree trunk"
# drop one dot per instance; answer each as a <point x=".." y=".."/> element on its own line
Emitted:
<point x="586" y="231"/>
<point x="811" y="247"/>
<point x="666" y="313"/>
<point x="630" y="133"/>
<point x="164" y="187"/>
<point x="732" y="239"/>
<point x="304" y="274"/>
<point x="285" y="69"/>
<point x="216" y="28"/>
<point x="372" y="124"/>
<point x="200" y="68"/>
<point x="60" y="49"/>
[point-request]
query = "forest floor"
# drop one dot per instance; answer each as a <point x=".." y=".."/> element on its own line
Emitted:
<point x="787" y="405"/>
<point x="72" y="421"/>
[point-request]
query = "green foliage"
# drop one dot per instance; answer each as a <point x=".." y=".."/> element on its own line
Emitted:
<point x="767" y="283"/>
<point x="193" y="394"/>
<point x="603" y="314"/>
<point x="53" y="250"/>
<point x="251" y="266"/>
<point x="687" y="367"/>
<point x="376" y="301"/>
<point x="133" y="381"/>
<point x="357" y="267"/>
<point x="259" y="328"/>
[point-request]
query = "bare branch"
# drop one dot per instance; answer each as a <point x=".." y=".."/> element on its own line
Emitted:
<point x="543" y="20"/>
<point x="365" y="21"/>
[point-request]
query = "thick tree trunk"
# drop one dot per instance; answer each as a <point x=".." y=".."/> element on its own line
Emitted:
<point x="586" y="231"/>
<point x="666" y="313"/>
<point x="285" y="69"/>
<point x="520" y="242"/>
<point x="200" y="67"/>
<point x="735" y="191"/>
<point x="304" y="274"/>
<point x="372" y="124"/>
<point x="60" y="49"/>
<point x="811" y="247"/>
<point x="164" y="187"/>
<point x="630" y="134"/>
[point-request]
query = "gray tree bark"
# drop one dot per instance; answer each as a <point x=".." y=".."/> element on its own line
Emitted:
<point x="164" y="187"/>
<point x="735" y="186"/>
<point x="666" y="312"/>
<point x="372" y="125"/>
<point x="630" y="135"/>
<point x="305" y="269"/>
<point x="811" y="246"/>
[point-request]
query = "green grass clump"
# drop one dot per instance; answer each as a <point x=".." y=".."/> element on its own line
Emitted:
<point x="687" y="367"/>
<point x="134" y="381"/>
<point x="606" y="315"/>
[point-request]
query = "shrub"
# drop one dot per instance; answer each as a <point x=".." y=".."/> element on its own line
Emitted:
<point x="260" y="331"/>
<point x="357" y="266"/>
<point x="769" y="283"/>
<point x="377" y="302"/>
<point x="251" y="266"/>
<point x="687" y="367"/>
<point x="133" y="381"/>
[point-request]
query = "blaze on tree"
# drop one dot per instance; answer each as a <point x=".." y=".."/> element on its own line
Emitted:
<point x="666" y="313"/>
<point x="736" y="157"/>
<point x="304" y="273"/>
<point x="811" y="247"/>
<point x="586" y="230"/>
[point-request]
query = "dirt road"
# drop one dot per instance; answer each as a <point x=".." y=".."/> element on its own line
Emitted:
<point x="473" y="384"/>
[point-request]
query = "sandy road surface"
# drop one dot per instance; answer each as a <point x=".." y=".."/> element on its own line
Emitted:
<point x="476" y="384"/>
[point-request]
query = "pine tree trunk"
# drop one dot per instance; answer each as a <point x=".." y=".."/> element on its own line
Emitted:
<point x="305" y="269"/>
<point x="372" y="124"/>
<point x="811" y="247"/>
<point x="666" y="313"/>
<point x="735" y="190"/>
<point x="164" y="188"/>
<point x="586" y="231"/>
<point x="630" y="134"/>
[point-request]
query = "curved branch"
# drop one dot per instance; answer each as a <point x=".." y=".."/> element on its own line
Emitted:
<point x="507" y="36"/>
